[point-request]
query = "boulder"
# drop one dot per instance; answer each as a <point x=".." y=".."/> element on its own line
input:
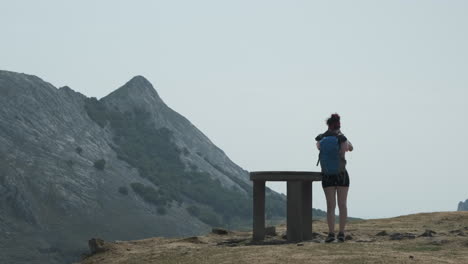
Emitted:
<point x="284" y="235"/>
<point x="439" y="242"/>
<point x="382" y="233"/>
<point x="219" y="231"/>
<point x="428" y="233"/>
<point x="457" y="232"/>
<point x="316" y="235"/>
<point x="96" y="245"/>
<point x="270" y="231"/>
<point x="401" y="236"/>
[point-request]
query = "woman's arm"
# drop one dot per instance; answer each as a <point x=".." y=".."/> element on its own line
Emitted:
<point x="350" y="146"/>
<point x="346" y="146"/>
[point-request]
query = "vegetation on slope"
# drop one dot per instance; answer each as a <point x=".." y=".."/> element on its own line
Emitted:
<point x="157" y="159"/>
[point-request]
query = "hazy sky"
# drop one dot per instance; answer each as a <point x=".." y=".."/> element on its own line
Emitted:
<point x="259" y="79"/>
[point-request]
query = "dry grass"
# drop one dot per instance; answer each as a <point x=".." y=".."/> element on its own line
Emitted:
<point x="444" y="247"/>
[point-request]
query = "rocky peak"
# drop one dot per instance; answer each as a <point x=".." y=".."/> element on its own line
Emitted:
<point x="463" y="206"/>
<point x="136" y="93"/>
<point x="20" y="84"/>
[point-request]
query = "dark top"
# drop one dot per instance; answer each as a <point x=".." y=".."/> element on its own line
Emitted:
<point x="337" y="133"/>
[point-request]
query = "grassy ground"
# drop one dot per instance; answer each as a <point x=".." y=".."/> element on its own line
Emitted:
<point x="448" y="245"/>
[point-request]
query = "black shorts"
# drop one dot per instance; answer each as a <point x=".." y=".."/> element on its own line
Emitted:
<point x="341" y="180"/>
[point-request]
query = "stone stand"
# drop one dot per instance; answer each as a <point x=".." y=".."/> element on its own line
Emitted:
<point x="299" y="203"/>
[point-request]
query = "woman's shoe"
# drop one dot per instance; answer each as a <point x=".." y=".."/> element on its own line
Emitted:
<point x="330" y="238"/>
<point x="341" y="237"/>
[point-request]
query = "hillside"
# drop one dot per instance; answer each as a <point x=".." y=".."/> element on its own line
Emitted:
<point x="407" y="240"/>
<point x="463" y="206"/>
<point x="124" y="167"/>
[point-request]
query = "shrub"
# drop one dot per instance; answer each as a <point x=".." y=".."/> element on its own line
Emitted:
<point x="153" y="152"/>
<point x="161" y="211"/>
<point x="123" y="190"/>
<point x="100" y="164"/>
<point x="185" y="151"/>
<point x="70" y="163"/>
<point x="79" y="150"/>
<point x="193" y="211"/>
<point x="149" y="194"/>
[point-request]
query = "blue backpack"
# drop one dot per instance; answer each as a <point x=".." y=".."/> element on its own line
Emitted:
<point x="329" y="156"/>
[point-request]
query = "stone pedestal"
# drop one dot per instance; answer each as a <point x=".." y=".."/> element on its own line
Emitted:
<point x="299" y="203"/>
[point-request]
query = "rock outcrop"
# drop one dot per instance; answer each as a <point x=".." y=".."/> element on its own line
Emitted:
<point x="463" y="206"/>
<point x="120" y="168"/>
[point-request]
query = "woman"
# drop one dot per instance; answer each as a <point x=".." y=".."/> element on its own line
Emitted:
<point x="335" y="184"/>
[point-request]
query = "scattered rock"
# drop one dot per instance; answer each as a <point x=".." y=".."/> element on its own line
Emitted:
<point x="219" y="231"/>
<point x="439" y="242"/>
<point x="194" y="240"/>
<point x="316" y="235"/>
<point x="348" y="237"/>
<point x="400" y="236"/>
<point x="300" y="244"/>
<point x="382" y="233"/>
<point x="365" y="240"/>
<point x="428" y="233"/>
<point x="233" y="242"/>
<point x="458" y="232"/>
<point x="270" y="231"/>
<point x="411" y="257"/>
<point x="284" y="235"/>
<point x="96" y="245"/>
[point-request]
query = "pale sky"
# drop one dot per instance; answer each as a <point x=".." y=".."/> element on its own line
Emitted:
<point x="259" y="78"/>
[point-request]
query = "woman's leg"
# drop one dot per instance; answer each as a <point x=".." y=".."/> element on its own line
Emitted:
<point x="342" y="193"/>
<point x="330" y="194"/>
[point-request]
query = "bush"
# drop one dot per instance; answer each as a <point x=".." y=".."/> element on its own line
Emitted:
<point x="100" y="164"/>
<point x="161" y="211"/>
<point x="185" y="151"/>
<point x="123" y="190"/>
<point x="150" y="195"/>
<point x="193" y="211"/>
<point x="153" y="152"/>
<point x="79" y="150"/>
<point x="205" y="214"/>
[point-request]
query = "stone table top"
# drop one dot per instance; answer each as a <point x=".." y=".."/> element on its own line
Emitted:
<point x="285" y="176"/>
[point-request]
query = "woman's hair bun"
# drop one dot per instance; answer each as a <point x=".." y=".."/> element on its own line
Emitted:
<point x="333" y="119"/>
<point x="335" y="116"/>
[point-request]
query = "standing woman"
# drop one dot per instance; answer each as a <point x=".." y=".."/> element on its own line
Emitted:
<point x="335" y="182"/>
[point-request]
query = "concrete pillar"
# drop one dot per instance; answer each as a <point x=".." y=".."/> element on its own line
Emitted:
<point x="306" y="210"/>
<point x="258" y="210"/>
<point x="294" y="211"/>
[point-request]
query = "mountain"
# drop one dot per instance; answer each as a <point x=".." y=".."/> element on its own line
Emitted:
<point x="123" y="167"/>
<point x="463" y="206"/>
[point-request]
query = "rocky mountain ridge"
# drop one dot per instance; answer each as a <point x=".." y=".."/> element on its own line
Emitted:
<point x="463" y="206"/>
<point x="123" y="167"/>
